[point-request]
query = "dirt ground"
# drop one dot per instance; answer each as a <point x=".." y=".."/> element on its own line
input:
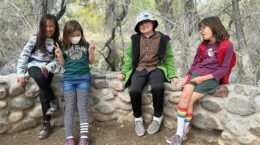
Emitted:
<point x="109" y="133"/>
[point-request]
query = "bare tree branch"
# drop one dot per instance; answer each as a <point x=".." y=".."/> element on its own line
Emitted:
<point x="114" y="16"/>
<point x="62" y="10"/>
<point x="109" y="49"/>
<point x="20" y="13"/>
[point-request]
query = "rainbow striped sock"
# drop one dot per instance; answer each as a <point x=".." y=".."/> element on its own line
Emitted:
<point x="187" y="121"/>
<point x="181" y="114"/>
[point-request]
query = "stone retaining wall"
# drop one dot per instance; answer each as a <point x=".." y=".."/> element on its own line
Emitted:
<point x="237" y="115"/>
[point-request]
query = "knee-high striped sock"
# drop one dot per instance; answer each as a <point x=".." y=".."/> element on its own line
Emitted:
<point x="83" y="130"/>
<point x="187" y="121"/>
<point x="181" y="113"/>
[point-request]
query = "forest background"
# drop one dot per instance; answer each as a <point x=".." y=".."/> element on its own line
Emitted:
<point x="110" y="24"/>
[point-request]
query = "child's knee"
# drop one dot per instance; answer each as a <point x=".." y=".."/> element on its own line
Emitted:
<point x="185" y="97"/>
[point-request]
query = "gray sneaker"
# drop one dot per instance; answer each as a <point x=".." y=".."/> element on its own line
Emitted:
<point x="153" y="127"/>
<point x="170" y="138"/>
<point x="139" y="128"/>
<point x="176" y="140"/>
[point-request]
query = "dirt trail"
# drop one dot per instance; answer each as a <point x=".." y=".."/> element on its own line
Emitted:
<point x="109" y="133"/>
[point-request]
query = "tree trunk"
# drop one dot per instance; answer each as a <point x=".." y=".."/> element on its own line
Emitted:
<point x="191" y="20"/>
<point x="115" y="13"/>
<point x="247" y="73"/>
<point x="42" y="7"/>
<point x="191" y="17"/>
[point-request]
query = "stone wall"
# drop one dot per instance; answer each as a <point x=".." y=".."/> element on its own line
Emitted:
<point x="237" y="115"/>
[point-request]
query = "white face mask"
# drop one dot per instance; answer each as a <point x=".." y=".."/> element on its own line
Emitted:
<point x="75" y="39"/>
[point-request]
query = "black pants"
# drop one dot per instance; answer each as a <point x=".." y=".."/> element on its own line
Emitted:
<point x="138" y="81"/>
<point x="46" y="92"/>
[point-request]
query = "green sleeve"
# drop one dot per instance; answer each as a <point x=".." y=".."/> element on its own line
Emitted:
<point x="169" y="61"/>
<point x="127" y="66"/>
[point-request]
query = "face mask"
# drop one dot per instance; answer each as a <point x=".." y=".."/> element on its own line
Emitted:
<point x="75" y="39"/>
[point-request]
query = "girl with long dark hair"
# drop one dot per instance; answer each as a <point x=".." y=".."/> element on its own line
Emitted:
<point x="38" y="59"/>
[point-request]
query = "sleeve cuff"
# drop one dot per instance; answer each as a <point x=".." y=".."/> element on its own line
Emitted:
<point x="48" y="68"/>
<point x="173" y="77"/>
<point x="22" y="75"/>
<point x="216" y="77"/>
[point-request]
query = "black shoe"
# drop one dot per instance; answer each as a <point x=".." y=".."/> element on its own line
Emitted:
<point x="54" y="107"/>
<point x="45" y="131"/>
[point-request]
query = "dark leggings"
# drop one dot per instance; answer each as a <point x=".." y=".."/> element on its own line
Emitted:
<point x="46" y="92"/>
<point x="139" y="79"/>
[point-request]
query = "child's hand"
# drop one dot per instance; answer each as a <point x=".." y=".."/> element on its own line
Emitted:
<point x="91" y="48"/>
<point x="174" y="81"/>
<point x="121" y="77"/>
<point x="197" y="80"/>
<point x="44" y="71"/>
<point x="57" y="51"/>
<point x="22" y="80"/>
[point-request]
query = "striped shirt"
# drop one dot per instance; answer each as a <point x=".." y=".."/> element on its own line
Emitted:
<point x="37" y="58"/>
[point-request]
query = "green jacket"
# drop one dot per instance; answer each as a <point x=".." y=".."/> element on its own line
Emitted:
<point x="166" y="64"/>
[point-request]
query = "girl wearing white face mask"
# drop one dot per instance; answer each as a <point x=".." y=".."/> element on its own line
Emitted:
<point x="75" y="57"/>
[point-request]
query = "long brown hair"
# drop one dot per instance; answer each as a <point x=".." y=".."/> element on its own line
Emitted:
<point x="41" y="35"/>
<point x="70" y="27"/>
<point x="217" y="28"/>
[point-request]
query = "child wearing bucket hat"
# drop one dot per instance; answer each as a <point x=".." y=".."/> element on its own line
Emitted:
<point x="149" y="59"/>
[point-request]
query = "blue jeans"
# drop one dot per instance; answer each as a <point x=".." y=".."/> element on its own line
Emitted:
<point x="76" y="94"/>
<point x="77" y="83"/>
